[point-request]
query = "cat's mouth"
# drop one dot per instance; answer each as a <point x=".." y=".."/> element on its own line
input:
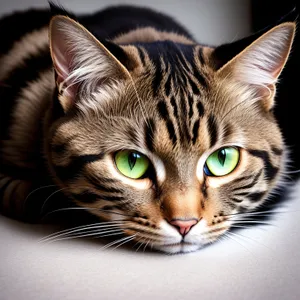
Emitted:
<point x="181" y="247"/>
<point x="182" y="243"/>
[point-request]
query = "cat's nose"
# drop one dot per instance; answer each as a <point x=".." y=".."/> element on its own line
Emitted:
<point x="183" y="226"/>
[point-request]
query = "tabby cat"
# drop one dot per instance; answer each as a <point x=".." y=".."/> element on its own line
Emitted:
<point x="131" y="119"/>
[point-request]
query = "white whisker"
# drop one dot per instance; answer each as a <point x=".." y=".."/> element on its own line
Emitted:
<point x="37" y="189"/>
<point x="115" y="242"/>
<point x="96" y="233"/>
<point x="127" y="241"/>
<point x="252" y="222"/>
<point x="78" y="232"/>
<point x="146" y="245"/>
<point x="271" y="212"/>
<point x="85" y="208"/>
<point x="253" y="240"/>
<point x="42" y="209"/>
<point x="82" y="228"/>
<point x="233" y="239"/>
<point x="139" y="242"/>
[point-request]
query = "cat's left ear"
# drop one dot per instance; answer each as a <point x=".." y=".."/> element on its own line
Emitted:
<point x="260" y="63"/>
<point x="81" y="62"/>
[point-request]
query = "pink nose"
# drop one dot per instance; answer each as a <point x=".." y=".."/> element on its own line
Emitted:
<point x="184" y="226"/>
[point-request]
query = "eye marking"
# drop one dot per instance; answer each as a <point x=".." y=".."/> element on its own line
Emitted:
<point x="222" y="162"/>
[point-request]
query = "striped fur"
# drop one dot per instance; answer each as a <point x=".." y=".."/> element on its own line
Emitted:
<point x="69" y="106"/>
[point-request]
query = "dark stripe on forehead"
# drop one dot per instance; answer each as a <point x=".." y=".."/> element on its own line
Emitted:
<point x="270" y="170"/>
<point x="163" y="111"/>
<point x="168" y="85"/>
<point x="149" y="134"/>
<point x="174" y="105"/>
<point x="212" y="129"/>
<point x="193" y="85"/>
<point x="191" y="103"/>
<point x="171" y="132"/>
<point x="158" y="75"/>
<point x="142" y="55"/>
<point x="200" y="55"/>
<point x="183" y="120"/>
<point x="185" y="74"/>
<point x="200" y="78"/>
<point x="180" y="58"/>
<point x="77" y="164"/>
<point x="196" y="131"/>
<point x="200" y="109"/>
<point x="18" y="79"/>
<point x="227" y="131"/>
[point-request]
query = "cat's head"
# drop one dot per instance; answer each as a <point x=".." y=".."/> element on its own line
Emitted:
<point x="169" y="140"/>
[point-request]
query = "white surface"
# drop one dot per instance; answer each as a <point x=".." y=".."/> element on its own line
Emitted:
<point x="263" y="263"/>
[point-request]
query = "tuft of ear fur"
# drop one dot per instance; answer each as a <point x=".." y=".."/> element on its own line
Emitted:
<point x="82" y="64"/>
<point x="58" y="9"/>
<point x="260" y="64"/>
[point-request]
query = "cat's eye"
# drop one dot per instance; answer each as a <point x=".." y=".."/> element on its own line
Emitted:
<point x="222" y="162"/>
<point x="131" y="164"/>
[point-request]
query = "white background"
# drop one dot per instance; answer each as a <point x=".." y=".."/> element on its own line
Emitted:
<point x="261" y="263"/>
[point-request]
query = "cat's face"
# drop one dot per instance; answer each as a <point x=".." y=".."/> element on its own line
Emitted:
<point x="174" y="152"/>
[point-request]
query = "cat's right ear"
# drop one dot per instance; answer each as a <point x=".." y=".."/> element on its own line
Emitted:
<point x="82" y="64"/>
<point x="259" y="65"/>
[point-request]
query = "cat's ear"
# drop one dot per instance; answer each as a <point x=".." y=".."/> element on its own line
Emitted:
<point x="259" y="64"/>
<point x="81" y="62"/>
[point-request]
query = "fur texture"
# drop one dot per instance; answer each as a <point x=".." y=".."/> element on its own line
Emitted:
<point x="153" y="90"/>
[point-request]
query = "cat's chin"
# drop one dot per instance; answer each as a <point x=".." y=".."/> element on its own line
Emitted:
<point x="178" y="248"/>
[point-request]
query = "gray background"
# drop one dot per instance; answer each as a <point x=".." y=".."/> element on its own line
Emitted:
<point x="260" y="263"/>
<point x="211" y="21"/>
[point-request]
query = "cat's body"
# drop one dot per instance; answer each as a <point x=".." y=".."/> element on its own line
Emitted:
<point x="149" y="89"/>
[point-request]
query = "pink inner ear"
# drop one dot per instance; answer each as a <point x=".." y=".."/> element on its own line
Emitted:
<point x="62" y="59"/>
<point x="61" y="64"/>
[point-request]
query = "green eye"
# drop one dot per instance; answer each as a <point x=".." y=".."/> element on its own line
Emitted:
<point x="222" y="162"/>
<point x="131" y="164"/>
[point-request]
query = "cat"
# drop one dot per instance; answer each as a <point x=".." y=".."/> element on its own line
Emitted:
<point x="168" y="141"/>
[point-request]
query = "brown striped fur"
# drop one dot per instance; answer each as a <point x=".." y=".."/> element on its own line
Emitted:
<point x="176" y="108"/>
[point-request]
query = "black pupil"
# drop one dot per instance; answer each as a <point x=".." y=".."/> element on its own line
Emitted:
<point x="132" y="157"/>
<point x="222" y="156"/>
